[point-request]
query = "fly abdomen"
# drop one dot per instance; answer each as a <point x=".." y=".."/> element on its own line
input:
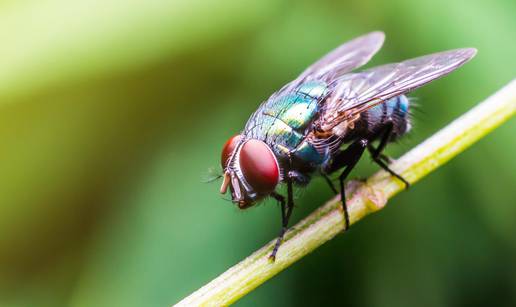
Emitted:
<point x="395" y="110"/>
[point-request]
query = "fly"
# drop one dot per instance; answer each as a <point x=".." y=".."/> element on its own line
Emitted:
<point x="323" y="121"/>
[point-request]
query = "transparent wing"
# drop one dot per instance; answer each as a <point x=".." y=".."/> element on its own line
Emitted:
<point x="345" y="58"/>
<point x="356" y="92"/>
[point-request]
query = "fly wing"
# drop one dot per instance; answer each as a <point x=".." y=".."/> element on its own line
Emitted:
<point x="356" y="92"/>
<point x="344" y="59"/>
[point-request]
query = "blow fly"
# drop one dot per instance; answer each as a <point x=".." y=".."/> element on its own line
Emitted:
<point x="324" y="120"/>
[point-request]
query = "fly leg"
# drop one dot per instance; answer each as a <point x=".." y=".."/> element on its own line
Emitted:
<point x="329" y="182"/>
<point x="286" y="211"/>
<point x="347" y="158"/>
<point x="380" y="159"/>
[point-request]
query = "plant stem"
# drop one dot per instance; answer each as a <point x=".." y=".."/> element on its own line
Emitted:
<point x="365" y="197"/>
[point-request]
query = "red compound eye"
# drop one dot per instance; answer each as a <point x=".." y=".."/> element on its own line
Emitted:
<point x="228" y="149"/>
<point x="259" y="166"/>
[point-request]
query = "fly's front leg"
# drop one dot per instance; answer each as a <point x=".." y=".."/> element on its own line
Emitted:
<point x="347" y="158"/>
<point x="284" y="222"/>
<point x="286" y="212"/>
<point x="379" y="158"/>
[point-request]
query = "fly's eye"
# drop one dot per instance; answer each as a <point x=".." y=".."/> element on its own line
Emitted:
<point x="259" y="166"/>
<point x="228" y="149"/>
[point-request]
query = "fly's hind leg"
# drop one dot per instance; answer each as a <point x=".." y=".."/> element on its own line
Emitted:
<point x="330" y="183"/>
<point x="348" y="159"/>
<point x="385" y="158"/>
<point x="381" y="159"/>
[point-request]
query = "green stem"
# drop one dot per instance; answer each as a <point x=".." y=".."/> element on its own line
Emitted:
<point x="327" y="221"/>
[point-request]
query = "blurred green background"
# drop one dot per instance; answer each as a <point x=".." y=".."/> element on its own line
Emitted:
<point x="112" y="113"/>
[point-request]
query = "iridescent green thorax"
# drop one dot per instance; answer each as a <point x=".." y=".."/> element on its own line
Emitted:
<point x="282" y="121"/>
